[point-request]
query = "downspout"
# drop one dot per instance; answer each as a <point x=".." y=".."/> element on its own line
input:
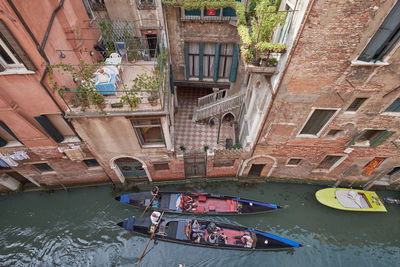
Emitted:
<point x="302" y="26"/>
<point x="41" y="51"/>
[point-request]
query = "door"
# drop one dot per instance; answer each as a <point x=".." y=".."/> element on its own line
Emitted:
<point x="152" y="43"/>
<point x="256" y="169"/>
<point x="195" y="165"/>
<point x="131" y="169"/>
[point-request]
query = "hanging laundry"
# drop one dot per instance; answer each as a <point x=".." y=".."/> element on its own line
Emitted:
<point x="8" y="160"/>
<point x="3" y="164"/>
<point x="19" y="155"/>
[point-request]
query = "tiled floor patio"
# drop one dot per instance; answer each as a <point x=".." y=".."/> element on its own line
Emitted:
<point x="194" y="136"/>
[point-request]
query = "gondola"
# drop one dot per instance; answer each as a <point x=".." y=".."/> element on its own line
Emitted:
<point x="180" y="230"/>
<point x="196" y="203"/>
<point x="350" y="199"/>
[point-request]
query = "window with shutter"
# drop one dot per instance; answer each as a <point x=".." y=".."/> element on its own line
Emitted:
<point x="328" y="162"/>
<point x="7" y="137"/>
<point x="371" y="138"/>
<point x="13" y="59"/>
<point x="385" y="37"/>
<point x="317" y="121"/>
<point x="394" y="107"/>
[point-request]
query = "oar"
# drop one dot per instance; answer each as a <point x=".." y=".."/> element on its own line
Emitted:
<point x="151" y="201"/>
<point x="151" y="237"/>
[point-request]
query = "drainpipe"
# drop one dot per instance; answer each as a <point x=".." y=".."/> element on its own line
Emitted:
<point x="40" y="49"/>
<point x="302" y="26"/>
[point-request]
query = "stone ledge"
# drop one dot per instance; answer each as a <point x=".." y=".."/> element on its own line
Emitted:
<point x="260" y="69"/>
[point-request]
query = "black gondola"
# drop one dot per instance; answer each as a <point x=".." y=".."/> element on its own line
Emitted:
<point x="179" y="230"/>
<point x="196" y="203"/>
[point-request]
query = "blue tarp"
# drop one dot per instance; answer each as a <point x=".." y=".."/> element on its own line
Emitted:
<point x="125" y="199"/>
<point x="281" y="239"/>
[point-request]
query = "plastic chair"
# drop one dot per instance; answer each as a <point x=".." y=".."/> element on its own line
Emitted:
<point x="114" y="55"/>
<point x="122" y="49"/>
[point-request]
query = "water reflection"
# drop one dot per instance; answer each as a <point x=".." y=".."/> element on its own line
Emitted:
<point x="79" y="229"/>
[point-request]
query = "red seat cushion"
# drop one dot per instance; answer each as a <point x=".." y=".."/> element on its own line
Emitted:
<point x="211" y="208"/>
<point x="200" y="209"/>
<point x="202" y="198"/>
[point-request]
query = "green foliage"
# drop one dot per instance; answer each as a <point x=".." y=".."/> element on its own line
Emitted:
<point x="263" y="18"/>
<point x="130" y="97"/>
<point x="182" y="148"/>
<point x="206" y="148"/>
<point x="85" y="86"/>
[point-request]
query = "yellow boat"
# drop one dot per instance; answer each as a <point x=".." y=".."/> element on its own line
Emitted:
<point x="350" y="199"/>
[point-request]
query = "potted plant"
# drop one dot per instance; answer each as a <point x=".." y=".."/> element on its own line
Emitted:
<point x="130" y="97"/>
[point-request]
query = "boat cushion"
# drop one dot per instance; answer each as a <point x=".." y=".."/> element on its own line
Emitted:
<point x="202" y="198"/>
<point x="200" y="209"/>
<point x="172" y="201"/>
<point x="165" y="201"/>
<point x="180" y="231"/>
<point x="211" y="208"/>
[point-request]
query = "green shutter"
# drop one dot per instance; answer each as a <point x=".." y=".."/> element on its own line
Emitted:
<point x="381" y="137"/>
<point x="186" y="48"/>
<point x="235" y="61"/>
<point x="201" y="53"/>
<point x="216" y="61"/>
<point x="50" y="129"/>
<point x="192" y="12"/>
<point x="3" y="142"/>
<point x="353" y="141"/>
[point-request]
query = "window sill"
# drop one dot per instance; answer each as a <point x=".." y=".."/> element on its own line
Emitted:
<point x="287" y="165"/>
<point x="16" y="71"/>
<point x="308" y="136"/>
<point x="395" y="114"/>
<point x="48" y="173"/>
<point x="96" y="168"/>
<point x="71" y="139"/>
<point x="13" y="144"/>
<point x="153" y="146"/>
<point x="320" y="171"/>
<point x="363" y="63"/>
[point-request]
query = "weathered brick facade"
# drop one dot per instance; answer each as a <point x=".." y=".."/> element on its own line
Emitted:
<point x="321" y="75"/>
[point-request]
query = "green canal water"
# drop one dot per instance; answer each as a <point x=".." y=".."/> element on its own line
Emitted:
<point x="78" y="228"/>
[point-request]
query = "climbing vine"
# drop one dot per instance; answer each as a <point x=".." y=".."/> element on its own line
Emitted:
<point x="255" y="28"/>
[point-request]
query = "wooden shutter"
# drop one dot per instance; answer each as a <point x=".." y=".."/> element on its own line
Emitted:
<point x="14" y="45"/>
<point x="384" y="38"/>
<point x="235" y="61"/>
<point x="381" y="137"/>
<point x="5" y="127"/>
<point x="394" y="107"/>
<point x="353" y="141"/>
<point x="201" y="53"/>
<point x="216" y="61"/>
<point x="186" y="48"/>
<point x="3" y="142"/>
<point x="50" y="129"/>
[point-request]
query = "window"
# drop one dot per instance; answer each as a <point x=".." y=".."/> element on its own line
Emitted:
<point x="7" y="137"/>
<point x="385" y="37"/>
<point x="146" y="4"/>
<point x="333" y="132"/>
<point x="285" y="28"/>
<point x="57" y="128"/>
<point x="90" y="163"/>
<point x="394" y="107"/>
<point x="293" y="162"/>
<point x="13" y="59"/>
<point x="149" y="131"/>
<point x="226" y="13"/>
<point x="211" y="60"/>
<point x="161" y="166"/>
<point x="372" y="165"/>
<point x="317" y="121"/>
<point x="328" y="162"/>
<point x="225" y="60"/>
<point x="371" y="138"/>
<point x="43" y="167"/>
<point x="356" y="104"/>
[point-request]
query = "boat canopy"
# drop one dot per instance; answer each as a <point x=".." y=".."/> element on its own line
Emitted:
<point x="351" y="199"/>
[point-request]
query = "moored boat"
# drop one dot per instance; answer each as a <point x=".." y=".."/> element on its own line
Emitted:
<point x="180" y="230"/>
<point x="350" y="199"/>
<point x="196" y="203"/>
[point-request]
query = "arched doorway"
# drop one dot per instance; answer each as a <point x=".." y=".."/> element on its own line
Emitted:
<point x="258" y="166"/>
<point x="131" y="169"/>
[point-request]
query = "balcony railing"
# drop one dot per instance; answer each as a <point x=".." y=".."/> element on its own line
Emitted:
<point x="78" y="102"/>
